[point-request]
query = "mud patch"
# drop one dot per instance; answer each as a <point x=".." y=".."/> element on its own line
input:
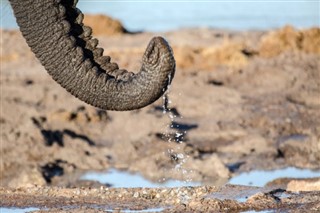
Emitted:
<point x="182" y="199"/>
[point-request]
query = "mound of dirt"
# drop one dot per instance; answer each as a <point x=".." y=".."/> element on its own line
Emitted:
<point x="104" y="25"/>
<point x="290" y="39"/>
<point x="229" y="53"/>
<point x="237" y="50"/>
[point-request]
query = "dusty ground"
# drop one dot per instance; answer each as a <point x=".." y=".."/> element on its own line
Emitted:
<point x="240" y="101"/>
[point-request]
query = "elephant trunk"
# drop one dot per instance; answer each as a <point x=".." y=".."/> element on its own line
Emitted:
<point x="55" y="33"/>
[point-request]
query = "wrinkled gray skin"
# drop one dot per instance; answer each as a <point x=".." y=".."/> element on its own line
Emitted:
<point x="55" y="33"/>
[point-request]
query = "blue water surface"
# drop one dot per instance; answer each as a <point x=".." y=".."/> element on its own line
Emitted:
<point x="119" y="179"/>
<point x="260" y="178"/>
<point x="17" y="210"/>
<point x="166" y="15"/>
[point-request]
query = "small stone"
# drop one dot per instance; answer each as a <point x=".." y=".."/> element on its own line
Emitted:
<point x="199" y="193"/>
<point x="136" y="194"/>
<point x="77" y="192"/>
<point x="304" y="185"/>
<point x="164" y="191"/>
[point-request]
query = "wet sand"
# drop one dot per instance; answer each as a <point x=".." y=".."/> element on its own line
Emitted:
<point x="240" y="101"/>
<point x="184" y="199"/>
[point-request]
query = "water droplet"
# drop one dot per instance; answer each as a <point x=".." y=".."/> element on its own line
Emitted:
<point x="178" y="134"/>
<point x="180" y="155"/>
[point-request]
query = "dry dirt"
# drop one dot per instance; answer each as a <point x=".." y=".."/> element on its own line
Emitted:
<point x="240" y="101"/>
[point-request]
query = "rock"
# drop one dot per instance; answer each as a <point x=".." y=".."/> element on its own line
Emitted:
<point x="301" y="150"/>
<point x="28" y="178"/>
<point x="210" y="167"/>
<point x="311" y="40"/>
<point x="304" y="185"/>
<point x="185" y="57"/>
<point x="229" y="54"/>
<point x="263" y="199"/>
<point x="204" y="141"/>
<point x="247" y="145"/>
<point x="305" y="97"/>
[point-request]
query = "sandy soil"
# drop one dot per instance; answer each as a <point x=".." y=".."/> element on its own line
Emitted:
<point x="240" y="101"/>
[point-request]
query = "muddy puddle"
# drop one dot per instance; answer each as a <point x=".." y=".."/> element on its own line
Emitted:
<point x="17" y="210"/>
<point x="118" y="179"/>
<point x="261" y="178"/>
<point x="122" y="191"/>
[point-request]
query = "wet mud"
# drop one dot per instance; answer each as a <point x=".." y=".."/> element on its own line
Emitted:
<point x="235" y="105"/>
<point x="183" y="199"/>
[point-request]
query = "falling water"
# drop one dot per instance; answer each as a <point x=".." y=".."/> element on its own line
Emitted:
<point x="120" y="178"/>
<point x="179" y="156"/>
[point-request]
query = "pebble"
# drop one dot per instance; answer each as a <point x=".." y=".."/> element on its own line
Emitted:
<point x="136" y="194"/>
<point x="77" y="192"/>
